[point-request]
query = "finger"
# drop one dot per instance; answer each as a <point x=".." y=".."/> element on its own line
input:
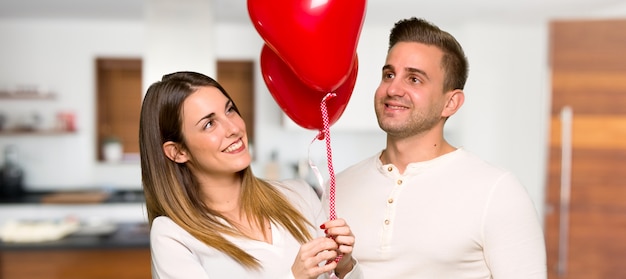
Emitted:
<point x="325" y="255"/>
<point x="312" y="255"/>
<point x="336" y="227"/>
<point x="328" y="258"/>
<point x="312" y="269"/>
<point x="339" y="222"/>
<point x="345" y="240"/>
<point x="336" y="231"/>
<point x="345" y="249"/>
<point x="315" y="246"/>
<point x="325" y="266"/>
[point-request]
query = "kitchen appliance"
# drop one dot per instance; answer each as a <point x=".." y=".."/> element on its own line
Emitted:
<point x="11" y="175"/>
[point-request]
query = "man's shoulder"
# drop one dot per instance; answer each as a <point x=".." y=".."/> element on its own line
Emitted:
<point x="475" y="162"/>
<point x="366" y="165"/>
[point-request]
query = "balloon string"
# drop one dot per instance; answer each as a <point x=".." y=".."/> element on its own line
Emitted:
<point x="329" y="159"/>
<point x="329" y="156"/>
<point x="320" y="189"/>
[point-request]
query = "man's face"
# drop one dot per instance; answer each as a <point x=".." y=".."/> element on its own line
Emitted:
<point x="410" y="97"/>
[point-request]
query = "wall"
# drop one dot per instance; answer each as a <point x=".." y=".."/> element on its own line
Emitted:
<point x="60" y="55"/>
<point x="504" y="118"/>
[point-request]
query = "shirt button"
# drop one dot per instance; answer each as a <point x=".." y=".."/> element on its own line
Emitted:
<point x="399" y="182"/>
<point x="390" y="200"/>
<point x="389" y="168"/>
<point x="387" y="222"/>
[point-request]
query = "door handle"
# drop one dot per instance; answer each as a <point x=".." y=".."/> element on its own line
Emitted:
<point x="567" y="116"/>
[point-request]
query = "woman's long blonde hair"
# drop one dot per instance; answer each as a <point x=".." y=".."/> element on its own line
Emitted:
<point x="171" y="190"/>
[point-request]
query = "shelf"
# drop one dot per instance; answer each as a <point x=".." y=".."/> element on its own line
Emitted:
<point x="34" y="133"/>
<point x="27" y="96"/>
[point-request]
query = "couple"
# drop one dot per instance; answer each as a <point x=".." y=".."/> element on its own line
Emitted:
<point x="420" y="208"/>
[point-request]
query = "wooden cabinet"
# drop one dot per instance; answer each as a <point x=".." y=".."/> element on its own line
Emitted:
<point x="119" y="263"/>
<point x="123" y="254"/>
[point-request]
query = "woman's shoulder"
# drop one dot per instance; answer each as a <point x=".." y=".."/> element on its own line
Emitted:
<point x="163" y="228"/>
<point x="162" y="221"/>
<point x="163" y="225"/>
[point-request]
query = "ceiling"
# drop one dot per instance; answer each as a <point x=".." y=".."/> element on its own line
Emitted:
<point x="384" y="11"/>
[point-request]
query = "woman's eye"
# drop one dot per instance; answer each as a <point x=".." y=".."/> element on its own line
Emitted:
<point x="208" y="124"/>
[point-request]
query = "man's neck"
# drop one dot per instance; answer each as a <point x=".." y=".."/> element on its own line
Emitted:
<point x="402" y="152"/>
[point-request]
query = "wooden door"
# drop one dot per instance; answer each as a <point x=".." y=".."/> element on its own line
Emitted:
<point x="586" y="212"/>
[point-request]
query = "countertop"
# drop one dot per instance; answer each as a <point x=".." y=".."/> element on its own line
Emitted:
<point x="124" y="208"/>
<point x="119" y="196"/>
<point x="127" y="235"/>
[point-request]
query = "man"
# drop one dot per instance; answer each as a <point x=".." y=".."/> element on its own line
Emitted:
<point x="422" y="208"/>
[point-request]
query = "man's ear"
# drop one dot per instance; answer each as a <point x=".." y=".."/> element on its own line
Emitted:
<point x="454" y="103"/>
<point x="173" y="151"/>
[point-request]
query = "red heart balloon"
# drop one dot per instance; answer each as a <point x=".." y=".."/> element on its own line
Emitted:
<point x="316" y="38"/>
<point x="299" y="101"/>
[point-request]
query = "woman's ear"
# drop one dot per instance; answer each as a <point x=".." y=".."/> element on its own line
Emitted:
<point x="454" y="103"/>
<point x="173" y="151"/>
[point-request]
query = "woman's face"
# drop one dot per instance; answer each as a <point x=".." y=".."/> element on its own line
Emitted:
<point x="215" y="134"/>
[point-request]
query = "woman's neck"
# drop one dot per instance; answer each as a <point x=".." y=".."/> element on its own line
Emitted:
<point x="221" y="194"/>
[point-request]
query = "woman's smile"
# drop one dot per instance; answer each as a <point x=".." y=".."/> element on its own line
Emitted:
<point x="235" y="147"/>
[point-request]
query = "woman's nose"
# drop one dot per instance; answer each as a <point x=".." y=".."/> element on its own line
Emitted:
<point x="231" y="127"/>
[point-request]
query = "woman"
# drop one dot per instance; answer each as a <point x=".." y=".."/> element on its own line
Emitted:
<point x="210" y="216"/>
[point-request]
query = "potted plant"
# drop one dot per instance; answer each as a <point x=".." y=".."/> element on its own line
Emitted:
<point x="112" y="149"/>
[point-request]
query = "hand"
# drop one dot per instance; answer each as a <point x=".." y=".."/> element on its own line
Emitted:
<point x="311" y="254"/>
<point x="339" y="230"/>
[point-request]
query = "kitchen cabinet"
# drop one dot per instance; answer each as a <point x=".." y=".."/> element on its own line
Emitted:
<point x="130" y="263"/>
<point x="113" y="241"/>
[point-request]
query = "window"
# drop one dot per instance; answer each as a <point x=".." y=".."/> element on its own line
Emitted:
<point x="119" y="96"/>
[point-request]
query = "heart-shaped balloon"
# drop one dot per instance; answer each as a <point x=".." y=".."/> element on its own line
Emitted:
<point x="317" y="39"/>
<point x="299" y="101"/>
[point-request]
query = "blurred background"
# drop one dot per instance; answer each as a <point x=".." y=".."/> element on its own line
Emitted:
<point x="73" y="74"/>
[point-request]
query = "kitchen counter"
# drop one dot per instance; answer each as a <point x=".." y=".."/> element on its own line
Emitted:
<point x="126" y="235"/>
<point x="112" y="241"/>
<point x="123" y="211"/>
<point x="120" y="196"/>
<point x="123" y="254"/>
